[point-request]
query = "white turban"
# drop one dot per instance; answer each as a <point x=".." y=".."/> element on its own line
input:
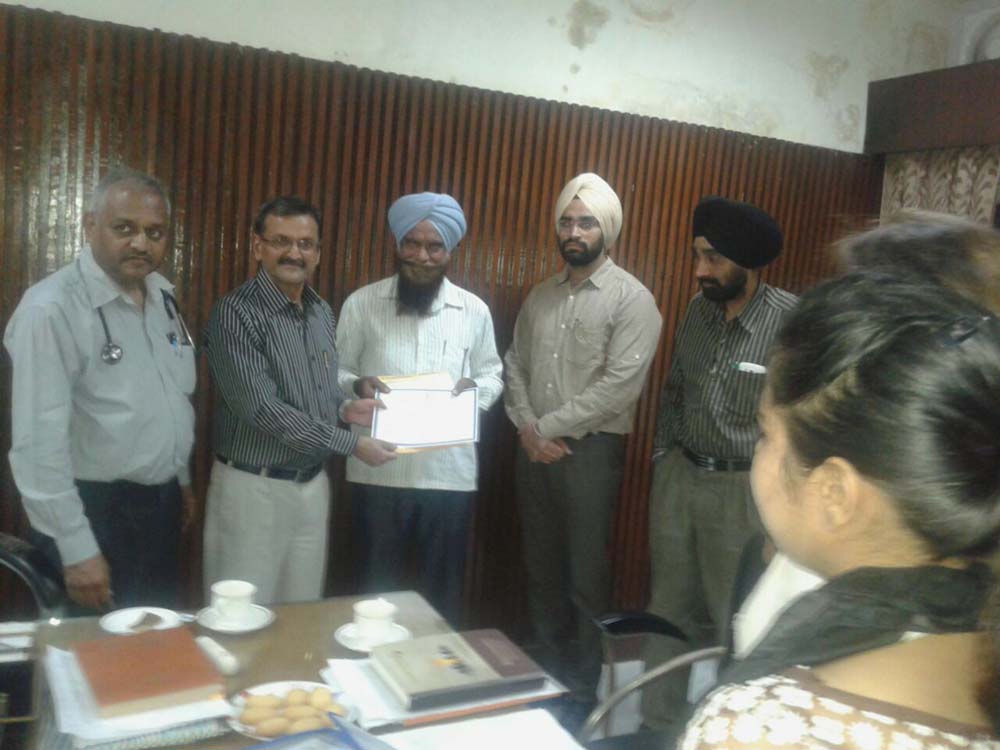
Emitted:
<point x="602" y="201"/>
<point x="441" y="210"/>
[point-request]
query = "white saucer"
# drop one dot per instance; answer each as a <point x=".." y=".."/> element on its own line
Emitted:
<point x="260" y="617"/>
<point x="123" y="621"/>
<point x="347" y="635"/>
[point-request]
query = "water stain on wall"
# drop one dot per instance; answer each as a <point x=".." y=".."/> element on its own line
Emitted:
<point x="653" y="11"/>
<point x="690" y="103"/>
<point x="877" y="12"/>
<point x="926" y="47"/>
<point x="585" y="20"/>
<point x="574" y="69"/>
<point x="825" y="72"/>
<point x="848" y="123"/>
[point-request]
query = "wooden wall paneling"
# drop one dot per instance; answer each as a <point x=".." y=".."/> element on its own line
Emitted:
<point x="947" y="108"/>
<point x="228" y="127"/>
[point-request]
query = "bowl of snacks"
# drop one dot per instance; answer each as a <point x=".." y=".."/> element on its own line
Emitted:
<point x="276" y="709"/>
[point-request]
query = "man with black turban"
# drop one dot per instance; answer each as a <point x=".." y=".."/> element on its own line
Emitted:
<point x="701" y="512"/>
<point x="583" y="343"/>
<point x="418" y="322"/>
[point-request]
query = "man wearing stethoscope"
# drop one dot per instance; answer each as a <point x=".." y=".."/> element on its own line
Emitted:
<point x="102" y="418"/>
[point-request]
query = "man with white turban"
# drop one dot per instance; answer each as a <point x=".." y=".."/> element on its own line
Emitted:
<point x="583" y="343"/>
<point x="418" y="322"/>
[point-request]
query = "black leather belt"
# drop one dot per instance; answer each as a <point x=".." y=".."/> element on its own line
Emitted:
<point x="293" y="475"/>
<point x="717" y="464"/>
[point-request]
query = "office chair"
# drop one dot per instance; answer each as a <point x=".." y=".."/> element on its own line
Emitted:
<point x="26" y="563"/>
<point x="753" y="561"/>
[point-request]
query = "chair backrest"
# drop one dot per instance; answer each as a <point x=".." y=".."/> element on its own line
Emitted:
<point x="23" y="560"/>
<point x="684" y="660"/>
<point x="619" y="626"/>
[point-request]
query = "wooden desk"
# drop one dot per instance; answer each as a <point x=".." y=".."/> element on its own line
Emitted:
<point x="294" y="647"/>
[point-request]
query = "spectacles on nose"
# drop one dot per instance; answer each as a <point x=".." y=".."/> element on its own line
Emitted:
<point x="413" y="247"/>
<point x="281" y="242"/>
<point x="585" y="223"/>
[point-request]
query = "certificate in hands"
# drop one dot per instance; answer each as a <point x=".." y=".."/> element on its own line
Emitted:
<point x="419" y="418"/>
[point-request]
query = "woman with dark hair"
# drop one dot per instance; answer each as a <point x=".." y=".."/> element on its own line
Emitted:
<point x="879" y="468"/>
<point x="921" y="247"/>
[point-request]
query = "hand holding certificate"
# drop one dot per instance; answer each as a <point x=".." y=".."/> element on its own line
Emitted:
<point x="419" y="416"/>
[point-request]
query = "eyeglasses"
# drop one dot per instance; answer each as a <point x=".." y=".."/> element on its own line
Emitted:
<point x="585" y="223"/>
<point x="281" y="242"/>
<point x="412" y="247"/>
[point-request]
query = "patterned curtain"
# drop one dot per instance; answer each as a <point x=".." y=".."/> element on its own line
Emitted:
<point x="958" y="181"/>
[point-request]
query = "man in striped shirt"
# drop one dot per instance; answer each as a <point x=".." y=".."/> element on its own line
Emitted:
<point x="701" y="512"/>
<point x="271" y="349"/>
<point x="418" y="322"/>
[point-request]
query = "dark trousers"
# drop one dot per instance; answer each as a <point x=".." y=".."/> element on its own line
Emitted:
<point x="402" y="528"/>
<point x="137" y="528"/>
<point x="566" y="512"/>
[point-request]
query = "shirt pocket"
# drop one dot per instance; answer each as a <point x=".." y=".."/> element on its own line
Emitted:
<point x="182" y="369"/>
<point x="741" y="393"/>
<point x="586" y="344"/>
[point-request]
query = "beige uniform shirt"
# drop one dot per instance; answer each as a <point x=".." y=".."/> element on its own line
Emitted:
<point x="580" y="354"/>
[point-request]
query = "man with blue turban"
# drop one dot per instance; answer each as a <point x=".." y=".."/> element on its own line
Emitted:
<point x="418" y="322"/>
<point x="583" y="343"/>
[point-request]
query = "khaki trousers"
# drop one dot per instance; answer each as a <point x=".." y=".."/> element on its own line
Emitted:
<point x="699" y="522"/>
<point x="271" y="532"/>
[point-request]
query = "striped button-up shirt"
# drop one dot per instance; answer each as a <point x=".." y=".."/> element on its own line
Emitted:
<point x="709" y="404"/>
<point x="275" y="368"/>
<point x="456" y="337"/>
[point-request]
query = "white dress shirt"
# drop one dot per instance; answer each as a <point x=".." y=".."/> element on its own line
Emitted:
<point x="373" y="340"/>
<point x="78" y="417"/>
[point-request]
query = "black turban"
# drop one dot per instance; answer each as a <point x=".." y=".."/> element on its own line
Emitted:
<point x="741" y="232"/>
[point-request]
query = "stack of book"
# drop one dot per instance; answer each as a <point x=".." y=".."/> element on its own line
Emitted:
<point x="149" y="689"/>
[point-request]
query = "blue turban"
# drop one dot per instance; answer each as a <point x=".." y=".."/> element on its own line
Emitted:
<point x="441" y="210"/>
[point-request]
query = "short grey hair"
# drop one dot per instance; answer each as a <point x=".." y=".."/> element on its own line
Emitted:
<point x="124" y="175"/>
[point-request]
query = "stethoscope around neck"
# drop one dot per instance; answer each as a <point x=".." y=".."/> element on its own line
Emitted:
<point x="112" y="353"/>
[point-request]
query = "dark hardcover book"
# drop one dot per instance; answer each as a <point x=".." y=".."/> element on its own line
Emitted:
<point x="438" y="670"/>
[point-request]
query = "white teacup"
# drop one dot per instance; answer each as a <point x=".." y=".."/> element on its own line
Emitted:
<point x="232" y="600"/>
<point x="373" y="619"/>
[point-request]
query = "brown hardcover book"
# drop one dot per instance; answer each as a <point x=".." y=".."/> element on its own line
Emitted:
<point x="159" y="668"/>
<point x="438" y="670"/>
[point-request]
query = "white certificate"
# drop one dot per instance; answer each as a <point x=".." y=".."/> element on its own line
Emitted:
<point x="421" y="418"/>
